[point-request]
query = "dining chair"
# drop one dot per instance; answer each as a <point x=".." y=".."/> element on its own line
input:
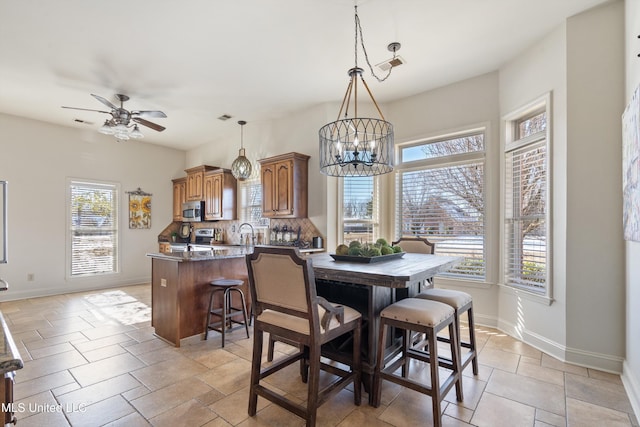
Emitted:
<point x="283" y="291"/>
<point x="417" y="245"/>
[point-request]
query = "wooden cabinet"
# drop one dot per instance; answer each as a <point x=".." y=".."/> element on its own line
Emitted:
<point x="219" y="195"/>
<point x="195" y="182"/>
<point x="179" y="197"/>
<point x="6" y="396"/>
<point x="284" y="185"/>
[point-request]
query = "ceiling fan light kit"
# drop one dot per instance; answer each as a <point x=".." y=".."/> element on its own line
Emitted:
<point x="119" y="125"/>
<point x="357" y="146"/>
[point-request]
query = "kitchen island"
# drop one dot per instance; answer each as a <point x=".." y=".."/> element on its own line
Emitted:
<point x="180" y="288"/>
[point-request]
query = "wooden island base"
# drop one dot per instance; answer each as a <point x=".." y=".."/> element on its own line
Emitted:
<point x="180" y="293"/>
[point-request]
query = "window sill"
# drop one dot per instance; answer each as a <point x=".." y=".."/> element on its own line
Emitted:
<point x="450" y="282"/>
<point x="522" y="293"/>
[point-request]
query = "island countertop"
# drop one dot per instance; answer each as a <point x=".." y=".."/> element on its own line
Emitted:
<point x="216" y="252"/>
<point x="209" y="255"/>
<point x="10" y="359"/>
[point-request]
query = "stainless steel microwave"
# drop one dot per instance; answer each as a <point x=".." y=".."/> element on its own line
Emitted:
<point x="193" y="211"/>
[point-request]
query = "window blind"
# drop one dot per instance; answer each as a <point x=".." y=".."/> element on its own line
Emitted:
<point x="446" y="205"/>
<point x="251" y="196"/>
<point x="359" y="209"/>
<point x="525" y="217"/>
<point x="93" y="228"/>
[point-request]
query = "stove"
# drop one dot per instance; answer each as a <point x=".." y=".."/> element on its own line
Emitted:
<point x="203" y="236"/>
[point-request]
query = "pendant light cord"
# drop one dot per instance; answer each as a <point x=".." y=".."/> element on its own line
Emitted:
<point x="366" y="57"/>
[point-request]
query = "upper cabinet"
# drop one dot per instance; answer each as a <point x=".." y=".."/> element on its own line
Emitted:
<point x="219" y="195"/>
<point x="179" y="197"/>
<point x="195" y="182"/>
<point x="216" y="186"/>
<point x="284" y="185"/>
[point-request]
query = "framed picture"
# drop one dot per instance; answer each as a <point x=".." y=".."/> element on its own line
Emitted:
<point x="139" y="209"/>
<point x="631" y="168"/>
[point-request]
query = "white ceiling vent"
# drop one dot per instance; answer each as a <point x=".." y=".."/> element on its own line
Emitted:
<point x="390" y="63"/>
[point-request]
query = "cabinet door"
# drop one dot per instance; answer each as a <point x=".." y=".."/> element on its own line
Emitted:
<point x="284" y="188"/>
<point x="213" y="191"/>
<point x="194" y="186"/>
<point x="268" y="177"/>
<point x="179" y="197"/>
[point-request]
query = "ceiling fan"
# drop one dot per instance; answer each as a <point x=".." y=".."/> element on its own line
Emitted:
<point x="119" y="125"/>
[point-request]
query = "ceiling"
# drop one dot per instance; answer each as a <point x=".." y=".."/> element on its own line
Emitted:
<point x="255" y="60"/>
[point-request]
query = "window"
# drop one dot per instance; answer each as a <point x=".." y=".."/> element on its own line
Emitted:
<point x="526" y="204"/>
<point x="359" y="209"/>
<point x="440" y="196"/>
<point x="93" y="228"/>
<point x="251" y="201"/>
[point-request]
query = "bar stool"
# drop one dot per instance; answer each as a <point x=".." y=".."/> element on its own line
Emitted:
<point x="423" y="316"/>
<point x="461" y="303"/>
<point x="227" y="312"/>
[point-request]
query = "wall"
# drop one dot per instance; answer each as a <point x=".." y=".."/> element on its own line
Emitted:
<point x="631" y="369"/>
<point x="297" y="133"/>
<point x="538" y="71"/>
<point x="37" y="158"/>
<point x="595" y="245"/>
<point x="587" y="250"/>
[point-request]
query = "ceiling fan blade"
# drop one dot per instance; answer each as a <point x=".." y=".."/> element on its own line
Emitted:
<point x="148" y="124"/>
<point x="105" y="101"/>
<point x="87" y="109"/>
<point x="149" y="113"/>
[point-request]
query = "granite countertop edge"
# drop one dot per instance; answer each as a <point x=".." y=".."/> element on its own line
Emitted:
<point x="213" y="254"/>
<point x="10" y="359"/>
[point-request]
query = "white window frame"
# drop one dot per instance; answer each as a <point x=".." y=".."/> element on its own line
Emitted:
<point x="479" y="156"/>
<point x="244" y="199"/>
<point x="511" y="143"/>
<point x="69" y="233"/>
<point x="374" y="221"/>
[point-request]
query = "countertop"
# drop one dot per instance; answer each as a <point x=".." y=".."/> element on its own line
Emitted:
<point x="216" y="252"/>
<point x="10" y="359"/>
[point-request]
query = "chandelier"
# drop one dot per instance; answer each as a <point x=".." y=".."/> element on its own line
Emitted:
<point x="357" y="146"/>
<point x="241" y="167"/>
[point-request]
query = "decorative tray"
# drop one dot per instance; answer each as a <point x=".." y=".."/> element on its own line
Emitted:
<point x="367" y="259"/>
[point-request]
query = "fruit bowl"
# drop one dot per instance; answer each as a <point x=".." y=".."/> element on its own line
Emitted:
<point x="366" y="259"/>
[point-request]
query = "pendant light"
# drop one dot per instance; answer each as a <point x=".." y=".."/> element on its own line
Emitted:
<point x="357" y="146"/>
<point x="241" y="167"/>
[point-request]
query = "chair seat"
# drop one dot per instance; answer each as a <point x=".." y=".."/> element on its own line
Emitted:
<point x="300" y="325"/>
<point x="456" y="299"/>
<point x="418" y="312"/>
<point x="225" y="283"/>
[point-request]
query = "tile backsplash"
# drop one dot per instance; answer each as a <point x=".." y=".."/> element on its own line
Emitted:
<point x="230" y="233"/>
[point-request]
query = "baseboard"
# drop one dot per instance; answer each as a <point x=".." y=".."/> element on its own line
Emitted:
<point x="631" y="382"/>
<point x="15" y="294"/>
<point x="599" y="361"/>
<point x="483" y="320"/>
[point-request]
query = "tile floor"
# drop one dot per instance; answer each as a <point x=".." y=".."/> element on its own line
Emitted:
<point x="91" y="359"/>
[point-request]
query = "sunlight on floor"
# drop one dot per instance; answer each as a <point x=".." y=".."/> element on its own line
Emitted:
<point x="119" y="306"/>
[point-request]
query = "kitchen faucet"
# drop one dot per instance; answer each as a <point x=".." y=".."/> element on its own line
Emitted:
<point x="253" y="236"/>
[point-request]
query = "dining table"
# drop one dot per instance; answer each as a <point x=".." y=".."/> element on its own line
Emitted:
<point x="369" y="287"/>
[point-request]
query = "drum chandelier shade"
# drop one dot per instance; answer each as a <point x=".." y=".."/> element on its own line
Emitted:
<point x="357" y="146"/>
<point x="241" y="167"/>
